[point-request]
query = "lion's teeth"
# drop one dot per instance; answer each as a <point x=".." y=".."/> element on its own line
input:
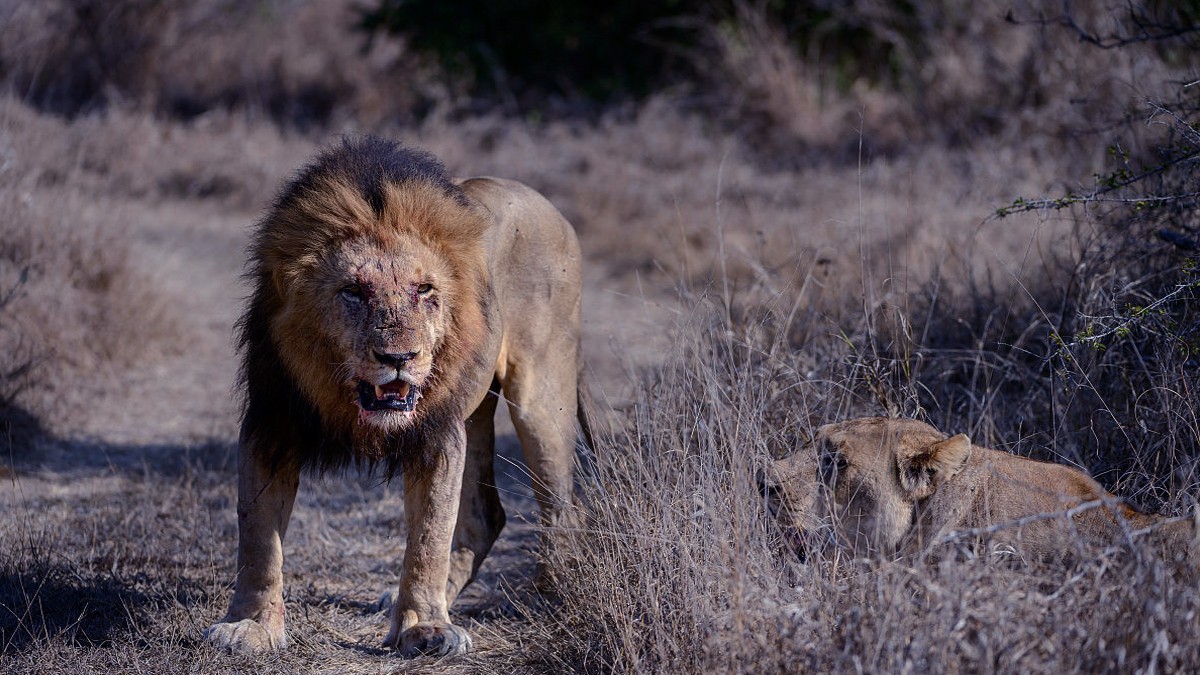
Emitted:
<point x="378" y="391"/>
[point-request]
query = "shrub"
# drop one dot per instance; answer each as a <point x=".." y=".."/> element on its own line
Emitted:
<point x="299" y="63"/>
<point x="578" y="50"/>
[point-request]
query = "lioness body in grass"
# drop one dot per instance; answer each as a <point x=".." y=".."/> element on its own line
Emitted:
<point x="894" y="486"/>
<point x="391" y="306"/>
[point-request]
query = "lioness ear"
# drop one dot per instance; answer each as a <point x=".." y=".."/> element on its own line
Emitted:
<point x="923" y="472"/>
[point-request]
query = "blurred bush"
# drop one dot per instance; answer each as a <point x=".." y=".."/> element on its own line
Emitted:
<point x="299" y="63"/>
<point x="785" y="72"/>
<point x="101" y="50"/>
<point x="601" y="52"/>
<point x="577" y="50"/>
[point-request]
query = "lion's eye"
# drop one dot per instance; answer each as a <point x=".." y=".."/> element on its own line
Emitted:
<point x="352" y="292"/>
<point x="424" y="289"/>
<point x="832" y="465"/>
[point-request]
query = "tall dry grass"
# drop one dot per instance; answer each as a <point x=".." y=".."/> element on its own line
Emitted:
<point x="890" y="76"/>
<point x="681" y="568"/>
<point x="73" y="307"/>
<point x="297" y="63"/>
<point x="1085" y="355"/>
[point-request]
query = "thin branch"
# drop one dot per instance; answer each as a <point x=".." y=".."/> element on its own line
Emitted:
<point x="1050" y="515"/>
<point x="1097" y="196"/>
<point x="1148" y="30"/>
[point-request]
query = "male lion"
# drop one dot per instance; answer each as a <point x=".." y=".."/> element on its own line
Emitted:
<point x="391" y="306"/>
<point x="896" y="486"/>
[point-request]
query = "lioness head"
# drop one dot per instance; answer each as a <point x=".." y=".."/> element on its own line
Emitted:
<point x="861" y="480"/>
<point x="372" y="278"/>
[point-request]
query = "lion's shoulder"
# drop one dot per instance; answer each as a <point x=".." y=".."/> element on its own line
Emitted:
<point x="526" y="229"/>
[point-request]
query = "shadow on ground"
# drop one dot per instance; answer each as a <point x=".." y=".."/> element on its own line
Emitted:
<point x="19" y="429"/>
<point x="107" y="544"/>
<point x="55" y="600"/>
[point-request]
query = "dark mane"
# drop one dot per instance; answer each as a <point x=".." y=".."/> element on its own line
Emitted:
<point x="278" y="419"/>
<point x="369" y="163"/>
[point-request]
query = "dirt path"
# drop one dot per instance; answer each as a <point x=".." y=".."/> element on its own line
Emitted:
<point x="193" y="254"/>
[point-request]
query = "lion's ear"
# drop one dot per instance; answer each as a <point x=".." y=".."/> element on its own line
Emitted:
<point x="924" y="471"/>
<point x="283" y="277"/>
<point x="279" y="279"/>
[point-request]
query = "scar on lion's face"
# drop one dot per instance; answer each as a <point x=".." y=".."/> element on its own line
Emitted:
<point x="389" y="317"/>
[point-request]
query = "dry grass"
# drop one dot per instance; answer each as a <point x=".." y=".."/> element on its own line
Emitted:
<point x="73" y="300"/>
<point x="820" y="249"/>
<point x="190" y="59"/>
<point x="948" y="74"/>
<point x="681" y="569"/>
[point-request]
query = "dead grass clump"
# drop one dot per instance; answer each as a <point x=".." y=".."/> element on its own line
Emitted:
<point x="77" y="308"/>
<point x="934" y="71"/>
<point x="73" y="55"/>
<point x="780" y="93"/>
<point x="120" y="154"/>
<point x="300" y="64"/>
<point x="1112" y="612"/>
<point x="676" y="570"/>
<point x="303" y="65"/>
<point x="1081" y="372"/>
<point x="74" y="307"/>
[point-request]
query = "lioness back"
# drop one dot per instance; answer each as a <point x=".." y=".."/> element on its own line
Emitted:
<point x="1050" y="507"/>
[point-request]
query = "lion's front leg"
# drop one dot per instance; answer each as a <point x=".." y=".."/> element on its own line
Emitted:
<point x="255" y="621"/>
<point x="420" y="617"/>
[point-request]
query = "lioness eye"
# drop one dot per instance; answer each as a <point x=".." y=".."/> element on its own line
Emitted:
<point x="353" y="292"/>
<point x="424" y="288"/>
<point x="832" y="464"/>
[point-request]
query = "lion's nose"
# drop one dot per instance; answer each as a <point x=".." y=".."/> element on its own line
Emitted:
<point x="395" y="360"/>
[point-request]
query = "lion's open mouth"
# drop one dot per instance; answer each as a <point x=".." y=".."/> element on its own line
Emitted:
<point x="397" y="395"/>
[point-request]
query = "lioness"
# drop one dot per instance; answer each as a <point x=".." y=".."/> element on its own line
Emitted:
<point x="391" y="306"/>
<point x="894" y="486"/>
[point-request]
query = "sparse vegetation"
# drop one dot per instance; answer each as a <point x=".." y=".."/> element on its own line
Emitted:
<point x="796" y="232"/>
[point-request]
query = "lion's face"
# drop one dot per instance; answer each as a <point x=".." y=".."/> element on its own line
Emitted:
<point x="862" y="480"/>
<point x="387" y="321"/>
<point x="382" y="318"/>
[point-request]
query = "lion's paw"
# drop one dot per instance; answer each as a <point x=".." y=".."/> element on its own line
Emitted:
<point x="433" y="639"/>
<point x="245" y="637"/>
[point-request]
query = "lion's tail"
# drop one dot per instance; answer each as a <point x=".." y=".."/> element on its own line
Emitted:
<point x="585" y="452"/>
<point x="583" y="407"/>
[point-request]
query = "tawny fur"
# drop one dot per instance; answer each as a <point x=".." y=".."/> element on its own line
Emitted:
<point x="375" y="269"/>
<point x="893" y="486"/>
